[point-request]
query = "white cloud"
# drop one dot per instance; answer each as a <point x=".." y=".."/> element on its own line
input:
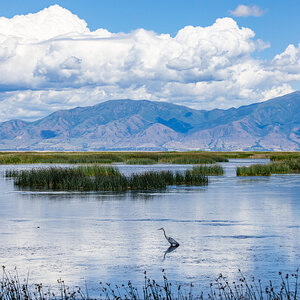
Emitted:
<point x="246" y="11"/>
<point x="49" y="67"/>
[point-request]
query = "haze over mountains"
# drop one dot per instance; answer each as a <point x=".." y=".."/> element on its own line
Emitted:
<point x="145" y="125"/>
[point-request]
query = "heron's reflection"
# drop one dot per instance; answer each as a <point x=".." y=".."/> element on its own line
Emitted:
<point x="169" y="250"/>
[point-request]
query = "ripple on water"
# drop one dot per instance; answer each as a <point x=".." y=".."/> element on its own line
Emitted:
<point x="242" y="236"/>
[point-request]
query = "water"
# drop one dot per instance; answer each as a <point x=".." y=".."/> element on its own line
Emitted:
<point x="247" y="223"/>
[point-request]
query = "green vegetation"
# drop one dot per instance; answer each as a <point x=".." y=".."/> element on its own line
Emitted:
<point x="258" y="154"/>
<point x="173" y="157"/>
<point x="58" y="157"/>
<point x="193" y="161"/>
<point x="280" y="167"/>
<point x="81" y="178"/>
<point x="192" y="157"/>
<point x="95" y="170"/>
<point x="12" y="288"/>
<point x="100" y="178"/>
<point x="141" y="161"/>
<point x="285" y="156"/>
<point x="287" y="166"/>
<point x="254" y="170"/>
<point x="215" y="170"/>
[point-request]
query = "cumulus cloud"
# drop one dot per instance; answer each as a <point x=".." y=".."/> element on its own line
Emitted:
<point x="51" y="61"/>
<point x="246" y="11"/>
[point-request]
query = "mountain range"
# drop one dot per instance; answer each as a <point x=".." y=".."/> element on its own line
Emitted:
<point x="273" y="125"/>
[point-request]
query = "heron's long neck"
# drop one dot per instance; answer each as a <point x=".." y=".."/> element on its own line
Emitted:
<point x="165" y="233"/>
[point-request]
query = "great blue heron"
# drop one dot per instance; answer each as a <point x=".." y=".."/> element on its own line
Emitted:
<point x="169" y="239"/>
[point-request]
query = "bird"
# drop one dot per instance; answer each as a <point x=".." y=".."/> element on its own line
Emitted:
<point x="169" y="239"/>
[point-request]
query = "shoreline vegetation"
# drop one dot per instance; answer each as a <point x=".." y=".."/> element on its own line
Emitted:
<point x="11" y="287"/>
<point x="277" y="166"/>
<point x="108" y="178"/>
<point x="190" y="157"/>
<point x="131" y="157"/>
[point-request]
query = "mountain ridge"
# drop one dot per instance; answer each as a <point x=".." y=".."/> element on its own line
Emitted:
<point x="151" y="125"/>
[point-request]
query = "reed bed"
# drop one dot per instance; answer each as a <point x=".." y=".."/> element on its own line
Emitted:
<point x="254" y="170"/>
<point x="192" y="161"/>
<point x="294" y="164"/>
<point x="141" y="161"/>
<point x="276" y="167"/>
<point x="285" y="166"/>
<point x="221" y="289"/>
<point x="189" y="157"/>
<point x="285" y="156"/>
<point x="215" y="170"/>
<point x="192" y="157"/>
<point x="95" y="170"/>
<point x="279" y="167"/>
<point x="60" y="158"/>
<point x="100" y="178"/>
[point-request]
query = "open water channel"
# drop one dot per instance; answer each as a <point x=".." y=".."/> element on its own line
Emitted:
<point x="247" y="223"/>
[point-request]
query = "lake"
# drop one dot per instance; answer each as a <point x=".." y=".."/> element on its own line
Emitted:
<point x="247" y="223"/>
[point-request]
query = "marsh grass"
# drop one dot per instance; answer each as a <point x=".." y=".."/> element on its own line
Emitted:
<point x="254" y="170"/>
<point x="141" y="161"/>
<point x="189" y="157"/>
<point x="279" y="167"/>
<point x="192" y="157"/>
<point x="100" y="178"/>
<point x="215" y="170"/>
<point x="61" y="158"/>
<point x="294" y="164"/>
<point x="95" y="170"/>
<point x="83" y="178"/>
<point x="285" y="156"/>
<point x="192" y="161"/>
<point x="203" y="159"/>
<point x="276" y="167"/>
<point x="12" y="288"/>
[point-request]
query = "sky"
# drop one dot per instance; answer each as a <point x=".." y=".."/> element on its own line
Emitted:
<point x="199" y="53"/>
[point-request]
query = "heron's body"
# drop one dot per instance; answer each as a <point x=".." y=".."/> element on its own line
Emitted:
<point x="173" y="242"/>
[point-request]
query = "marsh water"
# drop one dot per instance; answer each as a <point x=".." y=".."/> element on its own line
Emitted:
<point x="247" y="223"/>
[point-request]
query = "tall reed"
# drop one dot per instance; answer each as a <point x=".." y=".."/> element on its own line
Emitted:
<point x="254" y="170"/>
<point x="11" y="288"/>
<point x="285" y="156"/>
<point x="208" y="170"/>
<point x="100" y="178"/>
<point x="276" y="167"/>
<point x="141" y="161"/>
<point x="191" y="157"/>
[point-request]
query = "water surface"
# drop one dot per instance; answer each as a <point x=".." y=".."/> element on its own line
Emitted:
<point x="247" y="223"/>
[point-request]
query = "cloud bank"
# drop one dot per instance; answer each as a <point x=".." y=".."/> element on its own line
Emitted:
<point x="51" y="60"/>
<point x="247" y="11"/>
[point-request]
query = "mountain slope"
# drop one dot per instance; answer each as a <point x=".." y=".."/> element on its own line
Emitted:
<point x="145" y="125"/>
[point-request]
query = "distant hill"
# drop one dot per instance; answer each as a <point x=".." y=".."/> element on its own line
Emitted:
<point x="146" y="125"/>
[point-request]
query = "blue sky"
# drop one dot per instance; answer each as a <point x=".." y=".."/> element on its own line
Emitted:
<point x="279" y="25"/>
<point x="202" y="54"/>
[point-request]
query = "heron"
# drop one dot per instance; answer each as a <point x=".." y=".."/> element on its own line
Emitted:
<point x="169" y="239"/>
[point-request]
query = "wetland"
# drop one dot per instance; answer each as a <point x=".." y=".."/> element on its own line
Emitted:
<point x="249" y="223"/>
